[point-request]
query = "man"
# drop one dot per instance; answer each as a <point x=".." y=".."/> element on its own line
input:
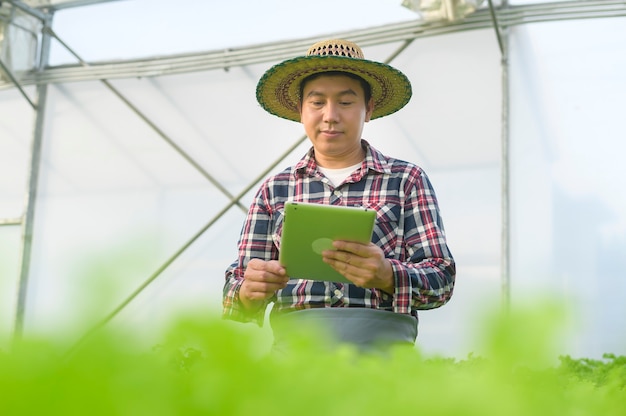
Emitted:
<point x="333" y="91"/>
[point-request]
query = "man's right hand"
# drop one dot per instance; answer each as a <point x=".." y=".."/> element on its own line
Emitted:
<point x="261" y="280"/>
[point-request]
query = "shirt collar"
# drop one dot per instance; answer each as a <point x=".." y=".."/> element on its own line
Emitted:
<point x="374" y="160"/>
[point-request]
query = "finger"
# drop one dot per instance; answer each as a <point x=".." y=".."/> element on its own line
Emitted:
<point x="271" y="266"/>
<point x="361" y="250"/>
<point x="260" y="289"/>
<point x="339" y="266"/>
<point x="275" y="267"/>
<point x="265" y="277"/>
<point x="340" y="260"/>
<point x="334" y="256"/>
<point x="256" y="264"/>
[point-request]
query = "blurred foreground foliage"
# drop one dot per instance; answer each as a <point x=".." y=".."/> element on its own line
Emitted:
<point x="206" y="366"/>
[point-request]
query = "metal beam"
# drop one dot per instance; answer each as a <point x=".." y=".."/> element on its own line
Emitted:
<point x="27" y="9"/>
<point x="62" y="4"/>
<point x="270" y="52"/>
<point x="10" y="221"/>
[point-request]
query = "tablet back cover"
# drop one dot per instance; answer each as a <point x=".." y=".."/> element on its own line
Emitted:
<point x="309" y="229"/>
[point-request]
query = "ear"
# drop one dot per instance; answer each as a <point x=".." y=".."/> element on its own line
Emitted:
<point x="300" y="111"/>
<point x="369" y="109"/>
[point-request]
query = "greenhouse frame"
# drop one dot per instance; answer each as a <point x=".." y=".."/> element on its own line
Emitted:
<point x="125" y="179"/>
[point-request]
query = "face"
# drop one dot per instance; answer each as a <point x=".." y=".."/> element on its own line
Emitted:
<point x="333" y="112"/>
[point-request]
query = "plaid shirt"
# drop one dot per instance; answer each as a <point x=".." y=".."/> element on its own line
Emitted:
<point x="408" y="229"/>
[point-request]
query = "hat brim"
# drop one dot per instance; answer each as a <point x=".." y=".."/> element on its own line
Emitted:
<point x="279" y="88"/>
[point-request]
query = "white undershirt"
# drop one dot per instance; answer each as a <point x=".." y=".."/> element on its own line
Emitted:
<point x="337" y="176"/>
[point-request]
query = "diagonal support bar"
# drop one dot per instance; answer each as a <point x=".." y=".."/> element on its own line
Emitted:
<point x="154" y="127"/>
<point x="15" y="82"/>
<point x="496" y="26"/>
<point x="169" y="261"/>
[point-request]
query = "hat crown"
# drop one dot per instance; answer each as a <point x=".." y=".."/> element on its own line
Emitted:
<point x="336" y="47"/>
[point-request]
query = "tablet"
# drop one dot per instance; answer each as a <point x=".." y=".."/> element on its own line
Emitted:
<point x="309" y="229"/>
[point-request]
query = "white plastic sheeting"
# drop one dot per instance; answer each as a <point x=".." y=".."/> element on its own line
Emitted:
<point x="568" y="202"/>
<point x="116" y="202"/>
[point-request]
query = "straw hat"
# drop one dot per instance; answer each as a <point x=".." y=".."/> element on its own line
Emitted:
<point x="278" y="89"/>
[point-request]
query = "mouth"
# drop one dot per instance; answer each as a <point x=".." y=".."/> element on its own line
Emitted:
<point x="331" y="133"/>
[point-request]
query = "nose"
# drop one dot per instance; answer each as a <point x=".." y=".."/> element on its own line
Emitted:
<point x="331" y="112"/>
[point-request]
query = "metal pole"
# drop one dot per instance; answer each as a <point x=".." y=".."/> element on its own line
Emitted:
<point x="505" y="265"/>
<point x="505" y="232"/>
<point x="506" y="190"/>
<point x="33" y="183"/>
